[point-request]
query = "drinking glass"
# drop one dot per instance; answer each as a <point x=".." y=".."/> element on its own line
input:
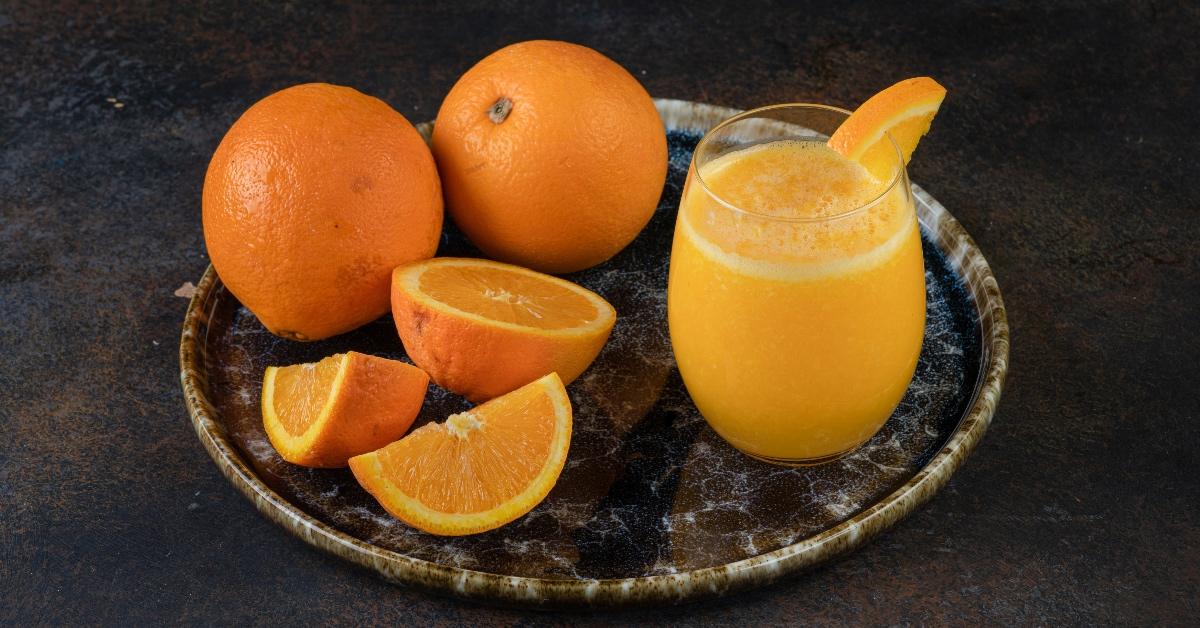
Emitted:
<point x="796" y="299"/>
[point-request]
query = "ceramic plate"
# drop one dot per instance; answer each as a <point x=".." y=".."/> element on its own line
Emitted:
<point x="652" y="505"/>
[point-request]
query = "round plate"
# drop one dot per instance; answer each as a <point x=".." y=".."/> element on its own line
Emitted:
<point x="652" y="506"/>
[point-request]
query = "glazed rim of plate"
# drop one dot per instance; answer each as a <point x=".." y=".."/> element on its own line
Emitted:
<point x="964" y="256"/>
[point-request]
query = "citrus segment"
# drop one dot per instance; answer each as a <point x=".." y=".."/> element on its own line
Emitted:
<point x="482" y="328"/>
<point x="320" y="414"/>
<point x="516" y="298"/>
<point x="904" y="111"/>
<point x="300" y="393"/>
<point x="479" y="469"/>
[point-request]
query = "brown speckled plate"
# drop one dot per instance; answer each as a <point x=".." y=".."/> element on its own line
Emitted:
<point x="652" y="506"/>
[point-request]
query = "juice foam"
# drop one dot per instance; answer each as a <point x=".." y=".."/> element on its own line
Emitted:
<point x="793" y="209"/>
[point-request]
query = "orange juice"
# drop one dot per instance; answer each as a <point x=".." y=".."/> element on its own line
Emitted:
<point x="797" y="298"/>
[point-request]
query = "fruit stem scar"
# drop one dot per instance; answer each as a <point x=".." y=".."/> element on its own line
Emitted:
<point x="500" y="109"/>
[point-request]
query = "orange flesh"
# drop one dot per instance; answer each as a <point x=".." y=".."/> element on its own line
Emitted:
<point x="500" y="295"/>
<point x="301" y="392"/>
<point x="880" y="156"/>
<point x="475" y="460"/>
<point x="904" y="111"/>
<point x="323" y="413"/>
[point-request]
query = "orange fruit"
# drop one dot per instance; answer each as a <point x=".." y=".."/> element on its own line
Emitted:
<point x="320" y="414"/>
<point x="478" y="470"/>
<point x="904" y="111"/>
<point x="482" y="328"/>
<point x="552" y="155"/>
<point x="314" y="195"/>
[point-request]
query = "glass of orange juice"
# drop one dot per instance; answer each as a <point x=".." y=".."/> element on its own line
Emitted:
<point x="796" y="299"/>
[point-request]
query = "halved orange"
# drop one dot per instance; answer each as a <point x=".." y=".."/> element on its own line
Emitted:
<point x="481" y="328"/>
<point x="319" y="414"/>
<point x="478" y="470"/>
<point x="904" y="110"/>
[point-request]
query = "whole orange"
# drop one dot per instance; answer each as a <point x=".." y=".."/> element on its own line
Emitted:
<point x="552" y="155"/>
<point x="314" y="195"/>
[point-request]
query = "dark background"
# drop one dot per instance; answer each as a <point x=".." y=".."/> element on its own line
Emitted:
<point x="1066" y="147"/>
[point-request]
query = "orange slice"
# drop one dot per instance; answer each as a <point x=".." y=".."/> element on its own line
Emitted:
<point x="478" y="470"/>
<point x="904" y="111"/>
<point x="320" y="414"/>
<point x="481" y="328"/>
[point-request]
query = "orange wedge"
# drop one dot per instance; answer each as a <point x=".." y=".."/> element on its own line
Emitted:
<point x="478" y="470"/>
<point x="481" y="328"/>
<point x="320" y="414"/>
<point x="904" y="110"/>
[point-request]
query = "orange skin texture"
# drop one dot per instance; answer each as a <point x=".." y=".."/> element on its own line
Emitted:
<point x="314" y="195"/>
<point x="481" y="362"/>
<point x="573" y="172"/>
<point x="378" y="401"/>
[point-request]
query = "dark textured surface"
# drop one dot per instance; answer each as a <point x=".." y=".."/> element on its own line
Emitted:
<point x="1064" y="147"/>
<point x="647" y="489"/>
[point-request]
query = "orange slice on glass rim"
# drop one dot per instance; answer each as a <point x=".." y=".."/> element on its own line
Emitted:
<point x="477" y="470"/>
<point x="904" y="111"/>
<point x="320" y="414"/>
